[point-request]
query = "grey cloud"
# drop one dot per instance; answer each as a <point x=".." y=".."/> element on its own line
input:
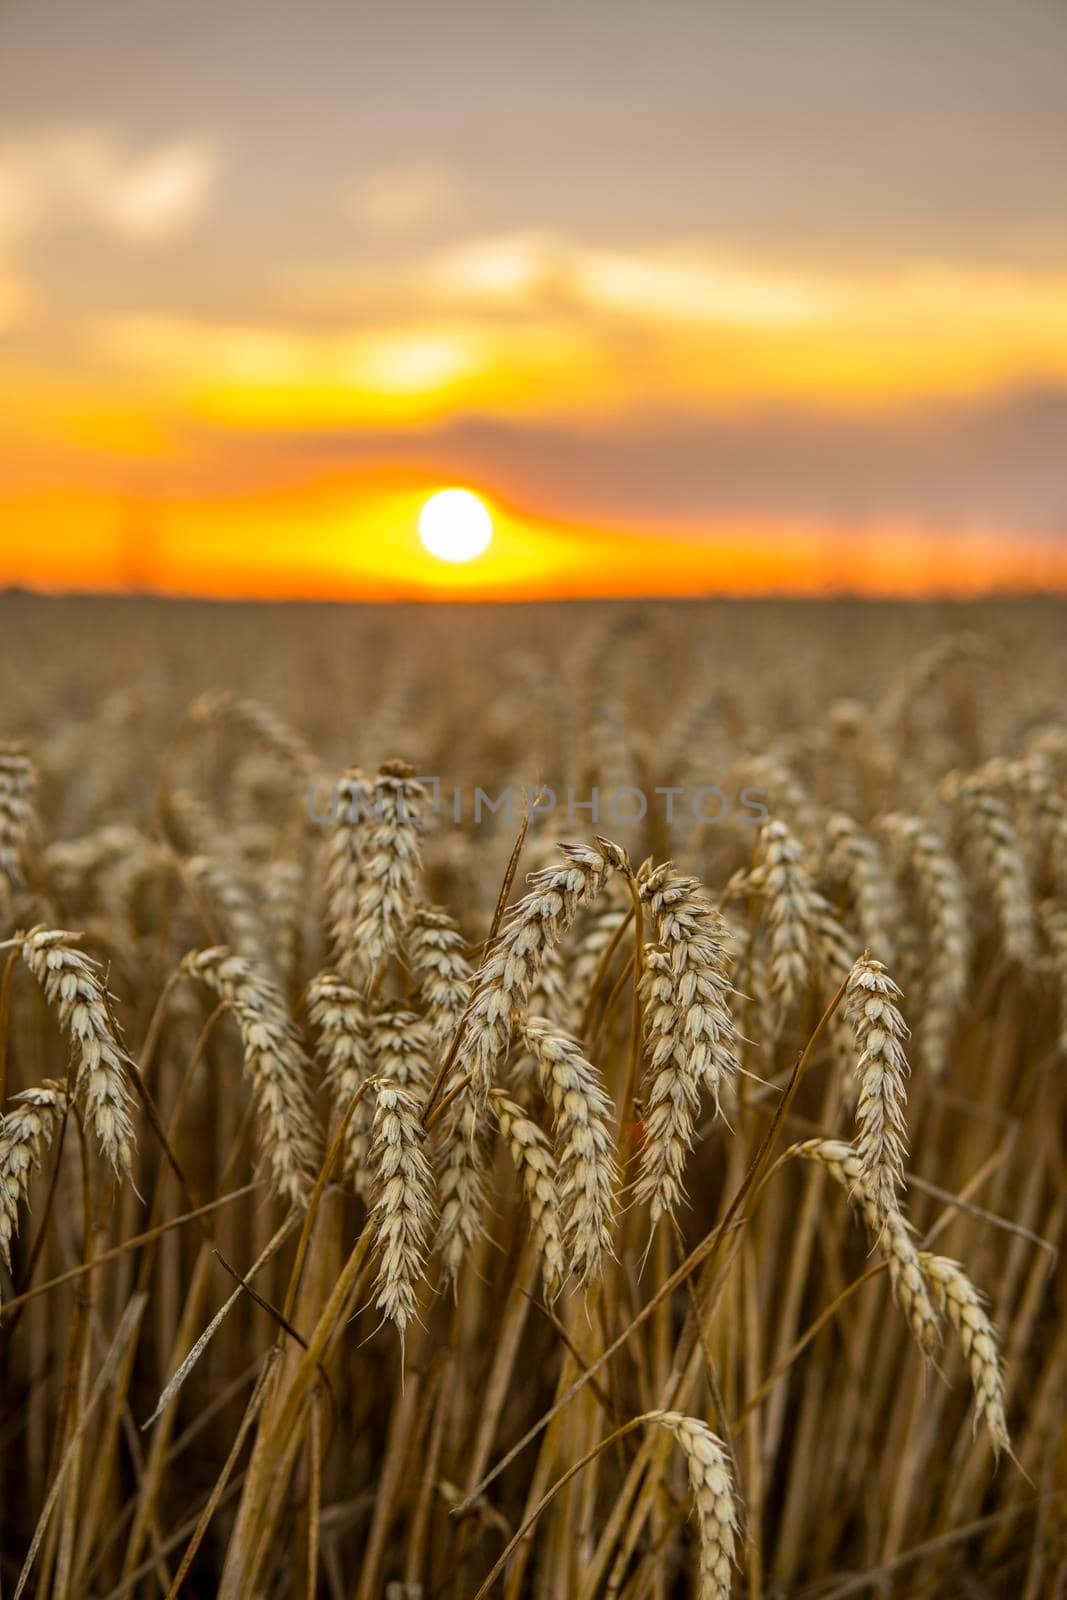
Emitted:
<point x="998" y="464"/>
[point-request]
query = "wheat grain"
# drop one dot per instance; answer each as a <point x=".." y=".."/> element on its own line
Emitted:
<point x="226" y="894"/>
<point x="461" y="1174"/>
<point x="694" y="937"/>
<point x="353" y="799"/>
<point x="691" y="1037"/>
<point x="262" y="724"/>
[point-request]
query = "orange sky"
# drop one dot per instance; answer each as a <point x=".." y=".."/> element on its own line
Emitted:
<point x="692" y="314"/>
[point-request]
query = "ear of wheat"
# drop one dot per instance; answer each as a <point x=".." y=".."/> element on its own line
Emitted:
<point x="504" y="983"/>
<point x="403" y="1211"/>
<point x="881" y="1071"/>
<point x="72" y="986"/>
<point x="713" y="1499"/>
<point x="990" y="831"/>
<point x="18" y="785"/>
<point x="854" y="858"/>
<point x="892" y="1234"/>
<point x="585" y="1158"/>
<point x="958" y="1295"/>
<point x="275" y="1063"/>
<point x="461" y="1141"/>
<point x="536" y="1166"/>
<point x="389" y="866"/>
<point x="942" y="904"/>
<point x="353" y="800"/>
<point x="261" y="723"/>
<point x="691" y="1037"/>
<point x="437" y="953"/>
<point x="29" y="1124"/>
<point x="789" y="910"/>
<point x="339" y="1015"/>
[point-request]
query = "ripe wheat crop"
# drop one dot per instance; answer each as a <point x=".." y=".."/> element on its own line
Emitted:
<point x="650" y="1186"/>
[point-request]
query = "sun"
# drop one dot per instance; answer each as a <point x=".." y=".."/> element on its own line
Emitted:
<point x="455" y="525"/>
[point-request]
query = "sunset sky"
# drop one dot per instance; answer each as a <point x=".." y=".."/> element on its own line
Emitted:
<point x="697" y="296"/>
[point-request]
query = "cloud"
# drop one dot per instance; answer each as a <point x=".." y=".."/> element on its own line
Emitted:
<point x="406" y="199"/>
<point x="694" y="284"/>
<point x="86" y="173"/>
<point x="413" y="360"/>
<point x="990" y="464"/>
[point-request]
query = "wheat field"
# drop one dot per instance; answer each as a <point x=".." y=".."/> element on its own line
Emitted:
<point x="421" y="1179"/>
